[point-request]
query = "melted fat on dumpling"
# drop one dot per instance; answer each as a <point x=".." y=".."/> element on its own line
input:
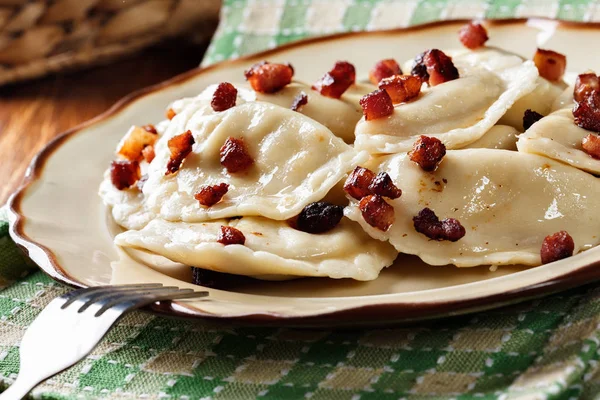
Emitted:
<point x="273" y="250"/>
<point x="507" y="201"/>
<point x="296" y="161"/>
<point x="556" y="136"/>
<point x="457" y="112"/>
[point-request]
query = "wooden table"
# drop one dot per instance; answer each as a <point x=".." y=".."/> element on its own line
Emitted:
<point x="33" y="113"/>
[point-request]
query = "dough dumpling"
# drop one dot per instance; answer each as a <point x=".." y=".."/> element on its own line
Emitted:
<point x="501" y="137"/>
<point x="507" y="201"/>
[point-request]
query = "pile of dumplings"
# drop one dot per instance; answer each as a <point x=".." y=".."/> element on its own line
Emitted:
<point x="510" y="189"/>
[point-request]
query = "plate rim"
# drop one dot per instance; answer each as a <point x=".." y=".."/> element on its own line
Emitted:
<point x="390" y="312"/>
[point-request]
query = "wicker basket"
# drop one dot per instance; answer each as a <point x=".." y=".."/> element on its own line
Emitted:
<point x="38" y="37"/>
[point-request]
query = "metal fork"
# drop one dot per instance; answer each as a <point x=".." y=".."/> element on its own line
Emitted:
<point x="71" y="326"/>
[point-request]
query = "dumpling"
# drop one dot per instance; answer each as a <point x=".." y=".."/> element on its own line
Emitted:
<point x="457" y="112"/>
<point x="501" y="137"/>
<point x="273" y="250"/>
<point x="556" y="136"/>
<point x="507" y="201"/>
<point x="296" y="162"/>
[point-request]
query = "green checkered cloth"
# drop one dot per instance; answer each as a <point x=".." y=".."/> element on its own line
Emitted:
<point x="543" y="349"/>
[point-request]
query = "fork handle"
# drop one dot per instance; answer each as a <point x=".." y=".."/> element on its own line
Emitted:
<point x="19" y="389"/>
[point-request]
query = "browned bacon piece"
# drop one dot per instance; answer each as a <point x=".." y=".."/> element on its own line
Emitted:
<point x="224" y="97"/>
<point x="180" y="147"/>
<point x="148" y="153"/>
<point x="358" y="182"/>
<point x="440" y="67"/>
<point x="265" y="77"/>
<point x="377" y="104"/>
<point x="556" y="247"/>
<point x="419" y="68"/>
<point x="299" y="101"/>
<point x="427" y="223"/>
<point x="587" y="112"/>
<point x="550" y="64"/>
<point x="584" y="85"/>
<point x="591" y="145"/>
<point x="150" y="128"/>
<point x="377" y="212"/>
<point x="124" y="174"/>
<point x="235" y="156"/>
<point x="530" y="117"/>
<point x="473" y="35"/>
<point x="382" y="185"/>
<point x="211" y="195"/>
<point x="428" y="152"/>
<point x="401" y="88"/>
<point x="384" y="69"/>
<point x="171" y="113"/>
<point x="335" y="82"/>
<point x="230" y="235"/>
<point x="319" y="217"/>
<point x="134" y="143"/>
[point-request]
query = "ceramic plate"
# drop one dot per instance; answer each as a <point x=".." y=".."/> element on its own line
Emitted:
<point x="61" y="222"/>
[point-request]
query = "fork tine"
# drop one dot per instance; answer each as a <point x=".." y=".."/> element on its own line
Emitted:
<point x="91" y="292"/>
<point x="130" y="301"/>
<point x="106" y="296"/>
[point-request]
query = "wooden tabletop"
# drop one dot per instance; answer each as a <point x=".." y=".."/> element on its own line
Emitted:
<point x="33" y="113"/>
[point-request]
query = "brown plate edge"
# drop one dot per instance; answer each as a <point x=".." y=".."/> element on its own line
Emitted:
<point x="359" y="316"/>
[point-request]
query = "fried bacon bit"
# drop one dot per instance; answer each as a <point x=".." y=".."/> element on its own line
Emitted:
<point x="587" y="112"/>
<point x="148" y="153"/>
<point x="171" y="113"/>
<point x="430" y="225"/>
<point x="419" y="68"/>
<point x="384" y="69"/>
<point x="335" y="82"/>
<point x="265" y="77"/>
<point x="591" y="145"/>
<point x="556" y="247"/>
<point x="377" y="104"/>
<point x="319" y="217"/>
<point x="211" y="195"/>
<point x="230" y="235"/>
<point x="377" y="212"/>
<point x="235" y="156"/>
<point x="550" y="64"/>
<point x="224" y="97"/>
<point x="439" y="67"/>
<point x="124" y="174"/>
<point x="299" y="101"/>
<point x="584" y="85"/>
<point x="134" y="143"/>
<point x="358" y="183"/>
<point x="428" y="152"/>
<point x="473" y="35"/>
<point x="401" y="88"/>
<point x="150" y="128"/>
<point x="530" y="117"/>
<point x="382" y="185"/>
<point x="180" y="147"/>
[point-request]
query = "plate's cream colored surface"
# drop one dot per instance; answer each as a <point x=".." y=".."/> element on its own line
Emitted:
<point x="64" y="225"/>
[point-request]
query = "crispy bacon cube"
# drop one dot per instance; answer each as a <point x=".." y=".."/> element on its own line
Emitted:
<point x="180" y="147"/>
<point x="124" y="174"/>
<point x="377" y="212"/>
<point x="587" y="112"/>
<point x="427" y="223"/>
<point x="265" y="77"/>
<point x="419" y="68"/>
<point x="335" y="82"/>
<point x="148" y="153"/>
<point x="473" y="35"/>
<point x="584" y="85"/>
<point x="319" y="217"/>
<point x="556" y="247"/>
<point x="377" y="104"/>
<point x="210" y="195"/>
<point x="428" y="152"/>
<point x="235" y="156"/>
<point x="591" y="145"/>
<point x="383" y="185"/>
<point x="230" y="235"/>
<point x="440" y="67"/>
<point x="384" y="69"/>
<point x="299" y="101"/>
<point x="134" y="143"/>
<point x="401" y="88"/>
<point x="530" y="117"/>
<point x="550" y="64"/>
<point x="224" y="97"/>
<point x="171" y="113"/>
<point x="150" y="128"/>
<point x="358" y="182"/>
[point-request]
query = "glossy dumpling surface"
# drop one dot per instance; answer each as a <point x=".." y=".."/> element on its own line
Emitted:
<point x="507" y="201"/>
<point x="501" y="137"/>
<point x="457" y="112"/>
<point x="273" y="250"/>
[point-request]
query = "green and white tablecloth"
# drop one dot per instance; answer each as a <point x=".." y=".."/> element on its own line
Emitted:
<point x="545" y="349"/>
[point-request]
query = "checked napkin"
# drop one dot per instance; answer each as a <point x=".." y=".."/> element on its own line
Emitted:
<point x="542" y="349"/>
